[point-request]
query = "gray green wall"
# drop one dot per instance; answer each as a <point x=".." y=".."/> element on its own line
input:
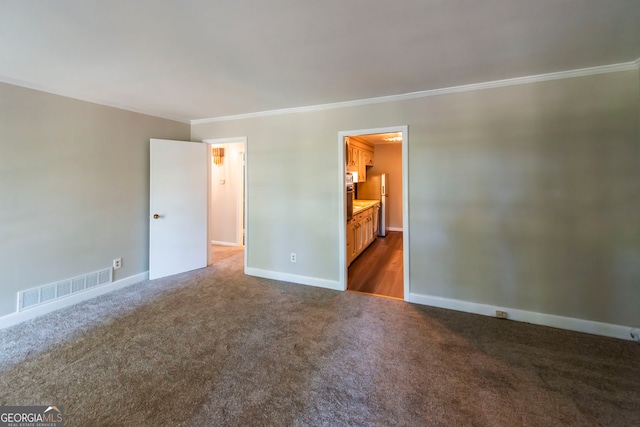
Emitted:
<point x="523" y="196"/>
<point x="74" y="188"/>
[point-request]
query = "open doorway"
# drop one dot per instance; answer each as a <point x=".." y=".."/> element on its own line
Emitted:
<point x="226" y="221"/>
<point x="376" y="232"/>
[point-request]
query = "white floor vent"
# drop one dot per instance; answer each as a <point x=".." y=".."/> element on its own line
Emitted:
<point x="43" y="294"/>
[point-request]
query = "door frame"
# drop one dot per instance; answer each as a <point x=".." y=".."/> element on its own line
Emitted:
<point x="342" y="208"/>
<point x="243" y="202"/>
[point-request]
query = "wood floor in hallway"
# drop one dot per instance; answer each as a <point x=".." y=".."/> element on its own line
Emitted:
<point x="379" y="269"/>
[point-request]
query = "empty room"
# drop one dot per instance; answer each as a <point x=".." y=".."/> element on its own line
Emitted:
<point x="320" y="213"/>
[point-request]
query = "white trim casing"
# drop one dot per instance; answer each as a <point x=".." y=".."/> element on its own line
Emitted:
<point x="395" y="228"/>
<point x="245" y="210"/>
<point x="294" y="278"/>
<point x="342" y="230"/>
<point x="232" y="140"/>
<point x="625" y="66"/>
<point x="32" y="313"/>
<point x="405" y="212"/>
<point x="554" y="321"/>
<point x="342" y="212"/>
<point x="603" y="69"/>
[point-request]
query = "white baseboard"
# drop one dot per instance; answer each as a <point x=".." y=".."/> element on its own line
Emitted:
<point x="294" y="278"/>
<point x="561" y="322"/>
<point x="215" y="242"/>
<point x="28" y="314"/>
<point x="395" y="229"/>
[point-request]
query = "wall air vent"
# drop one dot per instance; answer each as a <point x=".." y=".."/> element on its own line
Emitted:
<point x="43" y="294"/>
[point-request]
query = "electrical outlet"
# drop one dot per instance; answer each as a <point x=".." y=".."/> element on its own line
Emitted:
<point x="293" y="257"/>
<point x="117" y="263"/>
<point x="501" y="314"/>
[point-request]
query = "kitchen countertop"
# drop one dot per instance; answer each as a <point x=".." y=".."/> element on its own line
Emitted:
<point x="360" y="205"/>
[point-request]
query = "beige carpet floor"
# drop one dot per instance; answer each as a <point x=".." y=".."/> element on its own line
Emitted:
<point x="214" y="347"/>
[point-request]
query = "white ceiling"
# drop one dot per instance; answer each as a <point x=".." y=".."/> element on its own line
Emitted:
<point x="199" y="59"/>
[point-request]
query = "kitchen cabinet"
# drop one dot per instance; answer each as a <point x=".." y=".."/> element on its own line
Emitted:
<point x="366" y="157"/>
<point x="359" y="235"/>
<point x="375" y="219"/>
<point x="352" y="226"/>
<point x="362" y="230"/>
<point x="367" y="225"/>
<point x="359" y="157"/>
<point x="362" y="166"/>
<point x="352" y="157"/>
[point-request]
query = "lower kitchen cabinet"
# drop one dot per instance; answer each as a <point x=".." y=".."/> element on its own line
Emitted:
<point x="367" y="227"/>
<point x="361" y="243"/>
<point x="376" y="219"/>
<point x="362" y="230"/>
<point x="351" y="241"/>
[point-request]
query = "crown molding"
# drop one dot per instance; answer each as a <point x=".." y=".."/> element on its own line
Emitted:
<point x="582" y="72"/>
<point x="613" y="68"/>
<point x="40" y="88"/>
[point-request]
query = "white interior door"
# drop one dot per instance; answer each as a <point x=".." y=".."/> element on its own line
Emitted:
<point x="178" y="207"/>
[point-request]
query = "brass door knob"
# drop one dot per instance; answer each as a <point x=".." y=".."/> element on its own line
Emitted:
<point x="156" y="216"/>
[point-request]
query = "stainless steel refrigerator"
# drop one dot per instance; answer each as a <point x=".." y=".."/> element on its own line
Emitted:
<point x="375" y="188"/>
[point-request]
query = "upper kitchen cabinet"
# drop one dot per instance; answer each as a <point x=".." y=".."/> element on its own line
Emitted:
<point x="352" y="156"/>
<point x="367" y="157"/>
<point x="359" y="156"/>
